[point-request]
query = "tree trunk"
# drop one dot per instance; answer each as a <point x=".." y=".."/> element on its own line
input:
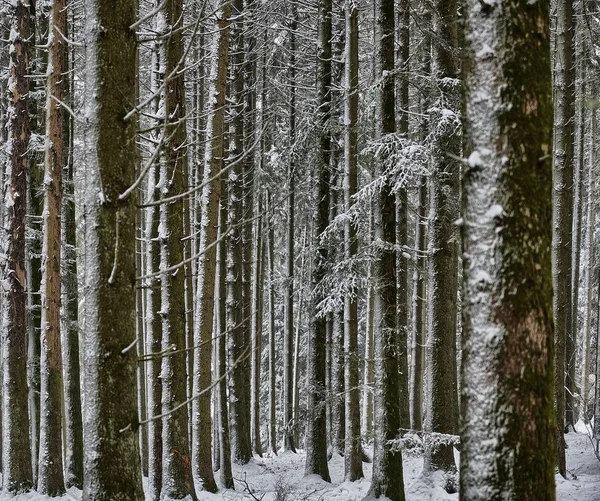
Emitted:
<point x="177" y="481"/>
<point x="209" y="211"/>
<point x="272" y="342"/>
<point x="110" y="393"/>
<point x="387" y="461"/>
<point x="288" y="290"/>
<point x="442" y="273"/>
<point x="50" y="469"/>
<point x="73" y="424"/>
<point x="17" y="471"/>
<point x="562" y="214"/>
<point x="225" y="472"/>
<point x="353" y="448"/>
<point x="316" y="430"/>
<point x="507" y="346"/>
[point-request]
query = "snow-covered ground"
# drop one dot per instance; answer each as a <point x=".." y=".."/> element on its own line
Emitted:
<point x="281" y="478"/>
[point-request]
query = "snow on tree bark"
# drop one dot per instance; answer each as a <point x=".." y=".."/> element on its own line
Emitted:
<point x="507" y="376"/>
<point x="110" y="393"/>
<point x="177" y="481"/>
<point x="16" y="460"/>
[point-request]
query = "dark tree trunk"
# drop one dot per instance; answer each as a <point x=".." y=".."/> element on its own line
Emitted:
<point x="17" y="472"/>
<point x="507" y="343"/>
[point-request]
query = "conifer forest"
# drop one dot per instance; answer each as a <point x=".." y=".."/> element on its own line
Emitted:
<point x="283" y="250"/>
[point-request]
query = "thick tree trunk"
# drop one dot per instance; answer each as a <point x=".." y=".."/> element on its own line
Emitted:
<point x="507" y="345"/>
<point x="110" y="393"/>
<point x="17" y="471"/>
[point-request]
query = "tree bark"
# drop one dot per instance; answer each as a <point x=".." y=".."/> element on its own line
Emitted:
<point x="387" y="462"/>
<point x="442" y="273"/>
<point x="562" y="214"/>
<point x="17" y="469"/>
<point x="50" y="469"/>
<point x="316" y="430"/>
<point x="209" y="211"/>
<point x="353" y="449"/>
<point x="508" y="419"/>
<point x="110" y="392"/>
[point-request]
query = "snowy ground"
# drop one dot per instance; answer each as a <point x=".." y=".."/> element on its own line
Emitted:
<point x="281" y="478"/>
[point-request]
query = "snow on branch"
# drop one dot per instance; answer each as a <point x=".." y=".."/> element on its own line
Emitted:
<point x="403" y="159"/>
<point x="415" y="443"/>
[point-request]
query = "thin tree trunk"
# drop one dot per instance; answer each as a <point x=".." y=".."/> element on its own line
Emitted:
<point x="257" y="317"/>
<point x="272" y="341"/>
<point x="225" y="472"/>
<point x="50" y="470"/>
<point x="209" y="211"/>
<point x="353" y="447"/>
<point x="387" y="461"/>
<point x="288" y="290"/>
<point x="562" y="213"/>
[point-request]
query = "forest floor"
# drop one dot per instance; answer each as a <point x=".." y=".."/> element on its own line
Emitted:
<point x="281" y="478"/>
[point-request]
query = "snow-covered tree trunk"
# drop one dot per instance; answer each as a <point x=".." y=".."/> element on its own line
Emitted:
<point x="16" y="460"/>
<point x="257" y="329"/>
<point x="209" y="212"/>
<point x="225" y="472"/>
<point x="590" y="267"/>
<point x="368" y="370"/>
<point x="507" y="344"/>
<point x="238" y="318"/>
<point x="151" y="284"/>
<point x="177" y="481"/>
<point x="50" y="469"/>
<point x="73" y="425"/>
<point x="109" y="355"/>
<point x="272" y="334"/>
<point x="562" y="214"/>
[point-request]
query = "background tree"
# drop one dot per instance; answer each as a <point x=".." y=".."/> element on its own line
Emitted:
<point x="562" y="215"/>
<point x="50" y="470"/>
<point x="387" y="461"/>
